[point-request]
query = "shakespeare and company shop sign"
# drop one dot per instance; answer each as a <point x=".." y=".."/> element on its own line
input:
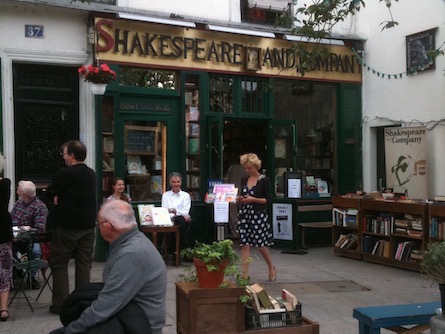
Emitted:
<point x="136" y="43"/>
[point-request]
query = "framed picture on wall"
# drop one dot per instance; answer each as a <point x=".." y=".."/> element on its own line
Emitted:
<point x="252" y="59"/>
<point x="419" y="48"/>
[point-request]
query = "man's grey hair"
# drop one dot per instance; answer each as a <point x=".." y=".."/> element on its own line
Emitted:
<point x="28" y="188"/>
<point x="175" y="174"/>
<point x="118" y="213"/>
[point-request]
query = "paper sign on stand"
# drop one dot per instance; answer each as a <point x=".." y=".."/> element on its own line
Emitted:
<point x="294" y="188"/>
<point x="221" y="212"/>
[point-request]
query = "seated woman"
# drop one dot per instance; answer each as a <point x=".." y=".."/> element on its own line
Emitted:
<point x="118" y="191"/>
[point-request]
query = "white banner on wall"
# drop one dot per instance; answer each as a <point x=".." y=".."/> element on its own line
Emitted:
<point x="406" y="161"/>
<point x="282" y="221"/>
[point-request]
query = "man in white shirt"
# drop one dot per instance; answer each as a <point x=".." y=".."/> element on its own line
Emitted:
<point x="178" y="203"/>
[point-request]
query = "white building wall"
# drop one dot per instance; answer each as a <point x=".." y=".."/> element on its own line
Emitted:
<point x="415" y="99"/>
<point x="210" y="10"/>
<point x="64" y="43"/>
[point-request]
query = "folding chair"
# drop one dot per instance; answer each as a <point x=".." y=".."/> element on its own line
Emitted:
<point x="26" y="266"/>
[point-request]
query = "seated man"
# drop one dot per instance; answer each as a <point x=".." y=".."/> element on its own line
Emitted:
<point x="30" y="211"/>
<point x="178" y="203"/>
<point x="134" y="276"/>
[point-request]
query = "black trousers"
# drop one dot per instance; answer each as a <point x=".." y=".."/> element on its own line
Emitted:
<point x="183" y="231"/>
<point x="129" y="320"/>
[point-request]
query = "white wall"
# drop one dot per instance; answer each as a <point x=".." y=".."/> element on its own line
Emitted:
<point x="211" y="10"/>
<point x="65" y="30"/>
<point x="420" y="97"/>
<point x="64" y="43"/>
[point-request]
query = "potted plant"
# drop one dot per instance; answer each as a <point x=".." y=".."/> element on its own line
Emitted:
<point x="433" y="265"/>
<point x="99" y="76"/>
<point x="213" y="262"/>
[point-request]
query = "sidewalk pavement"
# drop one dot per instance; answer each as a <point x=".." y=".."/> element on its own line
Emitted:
<point x="328" y="286"/>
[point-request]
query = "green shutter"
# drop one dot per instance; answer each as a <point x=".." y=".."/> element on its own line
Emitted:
<point x="349" y="143"/>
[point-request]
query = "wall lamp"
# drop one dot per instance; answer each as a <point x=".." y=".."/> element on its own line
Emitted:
<point x="153" y="19"/>
<point x="240" y="31"/>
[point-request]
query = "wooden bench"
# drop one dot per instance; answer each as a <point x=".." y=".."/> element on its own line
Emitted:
<point x="393" y="317"/>
<point x="315" y="225"/>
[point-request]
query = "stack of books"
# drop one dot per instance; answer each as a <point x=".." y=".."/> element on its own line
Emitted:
<point x="272" y="312"/>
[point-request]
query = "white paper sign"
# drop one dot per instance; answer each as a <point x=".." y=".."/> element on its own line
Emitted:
<point x="221" y="212"/>
<point x="294" y="188"/>
<point x="282" y="221"/>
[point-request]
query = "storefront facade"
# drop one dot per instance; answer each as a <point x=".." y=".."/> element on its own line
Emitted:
<point x="192" y="100"/>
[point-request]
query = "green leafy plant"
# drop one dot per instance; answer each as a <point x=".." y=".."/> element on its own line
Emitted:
<point x="433" y="263"/>
<point x="212" y="255"/>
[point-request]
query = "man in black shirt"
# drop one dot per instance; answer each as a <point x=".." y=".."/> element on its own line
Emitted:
<point x="73" y="191"/>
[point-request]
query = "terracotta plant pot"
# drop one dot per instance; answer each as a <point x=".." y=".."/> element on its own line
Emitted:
<point x="209" y="279"/>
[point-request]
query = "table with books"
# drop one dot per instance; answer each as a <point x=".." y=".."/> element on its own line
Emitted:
<point x="200" y="310"/>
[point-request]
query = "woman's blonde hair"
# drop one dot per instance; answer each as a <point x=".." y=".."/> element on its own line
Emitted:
<point x="250" y="158"/>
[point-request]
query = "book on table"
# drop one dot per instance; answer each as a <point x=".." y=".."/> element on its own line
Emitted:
<point x="161" y="216"/>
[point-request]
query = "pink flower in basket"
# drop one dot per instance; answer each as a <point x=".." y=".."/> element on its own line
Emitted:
<point x="97" y="74"/>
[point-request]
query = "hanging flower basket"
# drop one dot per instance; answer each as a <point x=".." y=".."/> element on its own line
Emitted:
<point x="101" y="74"/>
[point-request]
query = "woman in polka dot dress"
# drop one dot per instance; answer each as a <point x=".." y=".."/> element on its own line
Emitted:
<point x="253" y="226"/>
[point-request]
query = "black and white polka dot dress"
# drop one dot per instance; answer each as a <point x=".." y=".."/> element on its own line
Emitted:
<point x="253" y="226"/>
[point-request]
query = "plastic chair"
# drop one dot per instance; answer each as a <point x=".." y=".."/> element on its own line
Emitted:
<point x="26" y="266"/>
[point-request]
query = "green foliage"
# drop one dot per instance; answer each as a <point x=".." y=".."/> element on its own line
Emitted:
<point x="433" y="263"/>
<point x="318" y="21"/>
<point x="212" y="254"/>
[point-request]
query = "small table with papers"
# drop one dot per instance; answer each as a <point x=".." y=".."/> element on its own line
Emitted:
<point x="155" y="229"/>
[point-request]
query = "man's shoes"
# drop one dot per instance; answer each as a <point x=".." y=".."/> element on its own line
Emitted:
<point x="34" y="284"/>
<point x="54" y="309"/>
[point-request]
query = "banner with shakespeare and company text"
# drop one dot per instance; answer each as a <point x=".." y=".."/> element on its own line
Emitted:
<point x="406" y="161"/>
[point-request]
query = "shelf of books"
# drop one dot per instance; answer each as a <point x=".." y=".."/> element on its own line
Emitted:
<point x="394" y="234"/>
<point x="345" y="226"/>
<point x="436" y="222"/>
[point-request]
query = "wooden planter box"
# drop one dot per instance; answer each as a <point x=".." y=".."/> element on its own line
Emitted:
<point x="200" y="310"/>
<point x="217" y="310"/>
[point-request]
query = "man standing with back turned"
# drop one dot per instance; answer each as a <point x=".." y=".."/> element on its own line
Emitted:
<point x="73" y="191"/>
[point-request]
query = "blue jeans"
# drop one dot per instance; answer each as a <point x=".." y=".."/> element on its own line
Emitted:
<point x="36" y="254"/>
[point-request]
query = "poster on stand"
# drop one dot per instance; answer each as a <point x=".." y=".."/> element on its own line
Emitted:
<point x="282" y="221"/>
<point x="406" y="161"/>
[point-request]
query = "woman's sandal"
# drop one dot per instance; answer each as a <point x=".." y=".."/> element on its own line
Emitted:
<point x="274" y="277"/>
<point x="4" y="318"/>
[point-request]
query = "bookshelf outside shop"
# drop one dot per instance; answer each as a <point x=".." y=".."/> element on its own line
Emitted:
<point x="166" y="114"/>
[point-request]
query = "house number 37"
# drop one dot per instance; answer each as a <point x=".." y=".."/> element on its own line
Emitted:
<point x="33" y="31"/>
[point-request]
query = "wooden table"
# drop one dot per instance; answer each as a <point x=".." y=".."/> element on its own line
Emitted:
<point x="155" y="229"/>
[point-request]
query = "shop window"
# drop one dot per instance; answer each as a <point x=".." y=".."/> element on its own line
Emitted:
<point x="252" y="95"/>
<point x="145" y="154"/>
<point x="266" y="12"/>
<point x="313" y="107"/>
<point x="139" y="77"/>
<point x="192" y="132"/>
<point x="107" y="146"/>
<point x="250" y="99"/>
<point x="221" y="94"/>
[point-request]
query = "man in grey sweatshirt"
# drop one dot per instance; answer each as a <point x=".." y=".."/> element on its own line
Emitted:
<point x="135" y="272"/>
